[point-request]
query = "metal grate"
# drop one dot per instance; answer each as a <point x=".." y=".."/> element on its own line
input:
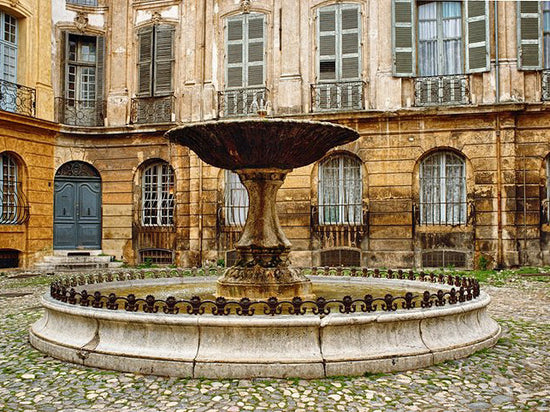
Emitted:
<point x="441" y="90"/>
<point x="152" y="110"/>
<point x="89" y="113"/>
<point x="341" y="257"/>
<point x="242" y="102"/>
<point x="443" y="258"/>
<point x="337" y="96"/>
<point x="9" y="259"/>
<point x="156" y="256"/>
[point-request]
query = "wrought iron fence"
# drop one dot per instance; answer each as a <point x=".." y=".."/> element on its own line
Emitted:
<point x="14" y="207"/>
<point x="242" y="102"/>
<point x="16" y="98"/>
<point x="153" y="110"/>
<point x="546" y="85"/>
<point x="444" y="213"/>
<point x="441" y="90"/>
<point x="87" y="113"/>
<point x="462" y="289"/>
<point x="338" y="96"/>
<point x="345" y="231"/>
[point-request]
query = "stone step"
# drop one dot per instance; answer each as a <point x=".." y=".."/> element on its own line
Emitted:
<point x="77" y="259"/>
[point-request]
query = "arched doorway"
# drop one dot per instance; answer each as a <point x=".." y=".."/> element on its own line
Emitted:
<point x="77" y="207"/>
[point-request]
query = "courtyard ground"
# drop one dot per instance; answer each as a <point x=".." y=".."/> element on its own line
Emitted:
<point x="514" y="375"/>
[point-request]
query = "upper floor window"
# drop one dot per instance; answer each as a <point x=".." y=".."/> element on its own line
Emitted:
<point x="83" y="2"/>
<point x="13" y="205"/>
<point x="155" y="60"/>
<point x="443" y="190"/>
<point x="340" y="191"/>
<point x="235" y="200"/>
<point x="533" y="33"/>
<point x="157" y="195"/>
<point x="8" y="47"/>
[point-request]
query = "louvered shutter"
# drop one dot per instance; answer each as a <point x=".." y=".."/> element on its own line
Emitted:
<point x="529" y="35"/>
<point x="100" y="68"/>
<point x="145" y="64"/>
<point x="327" y="43"/>
<point x="64" y="63"/>
<point x="403" y="37"/>
<point x="255" y="50"/>
<point x="164" y="59"/>
<point x="350" y="42"/>
<point x="477" y="36"/>
<point x="234" y="54"/>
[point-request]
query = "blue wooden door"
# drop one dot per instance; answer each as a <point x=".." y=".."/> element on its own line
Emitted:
<point x="77" y="214"/>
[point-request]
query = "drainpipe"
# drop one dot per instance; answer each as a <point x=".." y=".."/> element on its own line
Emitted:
<point x="498" y="145"/>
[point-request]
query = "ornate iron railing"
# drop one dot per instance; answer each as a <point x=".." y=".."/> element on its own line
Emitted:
<point x="153" y="110"/>
<point x="348" y="231"/>
<point x="14" y="207"/>
<point x="338" y="96"/>
<point x="441" y="90"/>
<point x="242" y="102"/>
<point x="444" y="213"/>
<point x="546" y="85"/>
<point x="462" y="289"/>
<point x="16" y="98"/>
<point x="87" y="113"/>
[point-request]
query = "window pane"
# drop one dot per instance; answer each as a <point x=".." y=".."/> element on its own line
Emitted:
<point x="236" y="200"/>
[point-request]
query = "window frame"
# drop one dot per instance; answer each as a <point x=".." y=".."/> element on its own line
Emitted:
<point x="233" y="186"/>
<point x="160" y="189"/>
<point x="9" y="188"/>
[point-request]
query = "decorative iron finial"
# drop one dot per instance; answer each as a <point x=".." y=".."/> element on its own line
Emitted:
<point x="245" y="6"/>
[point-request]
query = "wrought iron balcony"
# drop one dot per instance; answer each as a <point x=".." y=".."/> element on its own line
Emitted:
<point x="17" y="99"/>
<point x="443" y="213"/>
<point x="153" y="110"/>
<point x="338" y="96"/>
<point x="14" y="208"/>
<point x="242" y="102"/>
<point x="339" y="225"/>
<point x="546" y="85"/>
<point x="87" y="113"/>
<point x="441" y="90"/>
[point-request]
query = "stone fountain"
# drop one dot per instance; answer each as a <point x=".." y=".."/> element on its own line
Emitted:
<point x="262" y="152"/>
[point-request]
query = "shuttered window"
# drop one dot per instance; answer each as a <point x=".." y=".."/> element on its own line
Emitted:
<point x="245" y="51"/>
<point x="529" y="35"/>
<point x="338" y="46"/>
<point x="83" y="72"/>
<point x="156" y="60"/>
<point x="235" y="199"/>
<point x="546" y="32"/>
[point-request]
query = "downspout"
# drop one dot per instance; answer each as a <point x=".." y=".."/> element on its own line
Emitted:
<point x="499" y="262"/>
<point x="203" y="79"/>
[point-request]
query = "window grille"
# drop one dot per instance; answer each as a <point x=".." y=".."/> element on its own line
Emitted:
<point x="340" y="191"/>
<point x="235" y="200"/>
<point x="158" y="195"/>
<point x="156" y="256"/>
<point x="443" y="258"/>
<point x="443" y="190"/>
<point x="13" y="205"/>
<point x="341" y="257"/>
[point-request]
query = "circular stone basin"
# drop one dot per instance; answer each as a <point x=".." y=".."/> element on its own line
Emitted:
<point x="385" y="331"/>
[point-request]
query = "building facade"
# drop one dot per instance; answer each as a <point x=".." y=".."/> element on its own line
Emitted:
<point x="449" y="97"/>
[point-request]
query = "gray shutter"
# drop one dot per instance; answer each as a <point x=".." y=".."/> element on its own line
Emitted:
<point x="255" y="50"/>
<point x="403" y="38"/>
<point x="350" y="42"/>
<point x="100" y="68"/>
<point x="234" y="41"/>
<point x="529" y="35"/>
<point x="477" y="36"/>
<point x="327" y="43"/>
<point x="145" y="71"/>
<point x="64" y="62"/>
<point x="164" y="59"/>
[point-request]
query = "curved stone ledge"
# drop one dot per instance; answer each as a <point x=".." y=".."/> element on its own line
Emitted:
<point x="308" y="346"/>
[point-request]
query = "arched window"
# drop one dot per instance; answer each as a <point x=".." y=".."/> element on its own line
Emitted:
<point x="157" y="199"/>
<point x="443" y="190"/>
<point x="235" y="200"/>
<point x="340" y="191"/>
<point x="13" y="206"/>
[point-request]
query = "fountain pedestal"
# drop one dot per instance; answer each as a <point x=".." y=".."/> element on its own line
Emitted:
<point x="262" y="269"/>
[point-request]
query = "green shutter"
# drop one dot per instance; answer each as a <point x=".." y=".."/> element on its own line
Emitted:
<point x="164" y="59"/>
<point x="255" y="50"/>
<point x="145" y="69"/>
<point x="100" y="68"/>
<point x="477" y="36"/>
<point x="326" y="49"/>
<point x="350" y="42"/>
<point x="234" y="57"/>
<point x="529" y="33"/>
<point x="403" y="38"/>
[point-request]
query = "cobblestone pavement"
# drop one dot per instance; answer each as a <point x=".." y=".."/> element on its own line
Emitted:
<point x="514" y="375"/>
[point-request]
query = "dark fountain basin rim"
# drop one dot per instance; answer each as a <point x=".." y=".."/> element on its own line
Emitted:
<point x="459" y="290"/>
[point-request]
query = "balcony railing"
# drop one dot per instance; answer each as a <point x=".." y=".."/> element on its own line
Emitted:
<point x="87" y="113"/>
<point x="343" y="229"/>
<point x="546" y="85"/>
<point x="153" y="110"/>
<point x="443" y="213"/>
<point x="338" y="96"/>
<point x="242" y="102"/>
<point x="17" y="99"/>
<point x="14" y="208"/>
<point x="441" y="90"/>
